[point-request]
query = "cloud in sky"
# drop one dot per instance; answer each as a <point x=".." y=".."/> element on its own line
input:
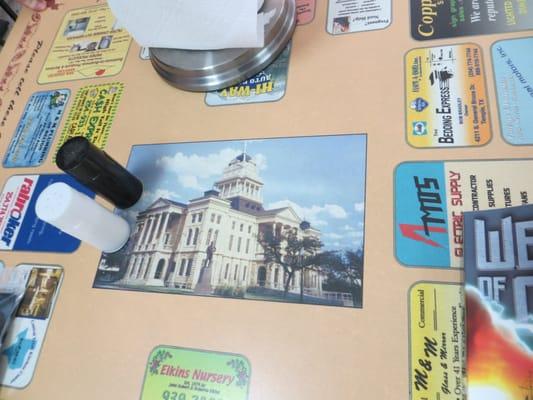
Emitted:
<point x="261" y="161"/>
<point x="328" y="194"/>
<point x="192" y="169"/>
<point x="314" y="214"/>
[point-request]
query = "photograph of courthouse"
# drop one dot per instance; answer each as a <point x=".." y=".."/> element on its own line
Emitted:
<point x="210" y="244"/>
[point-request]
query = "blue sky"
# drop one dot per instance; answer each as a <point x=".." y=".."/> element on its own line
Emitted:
<point x="321" y="177"/>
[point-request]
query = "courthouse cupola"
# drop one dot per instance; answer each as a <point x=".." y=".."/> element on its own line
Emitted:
<point x="240" y="179"/>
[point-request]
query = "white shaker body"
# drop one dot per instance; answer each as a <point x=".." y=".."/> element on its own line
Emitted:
<point x="82" y="217"/>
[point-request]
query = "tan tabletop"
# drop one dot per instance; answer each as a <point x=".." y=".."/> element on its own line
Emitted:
<point x="98" y="340"/>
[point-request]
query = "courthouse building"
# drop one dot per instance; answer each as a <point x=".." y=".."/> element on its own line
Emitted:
<point x="173" y="242"/>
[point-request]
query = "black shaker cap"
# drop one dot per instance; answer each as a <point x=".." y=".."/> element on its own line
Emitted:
<point x="95" y="169"/>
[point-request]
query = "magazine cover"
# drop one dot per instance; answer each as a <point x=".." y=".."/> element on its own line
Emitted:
<point x="499" y="303"/>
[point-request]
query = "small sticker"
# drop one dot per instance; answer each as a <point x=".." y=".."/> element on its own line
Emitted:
<point x="431" y="19"/>
<point x="89" y="44"/>
<point x="25" y="337"/>
<point x="20" y="229"/>
<point x="430" y="198"/>
<point x="305" y="11"/>
<point x="437" y="341"/>
<point x="513" y="74"/>
<point x="188" y="374"/>
<point x="349" y="16"/>
<point x="445" y="92"/>
<point x="92" y="113"/>
<point x="266" y="86"/>
<point x="36" y="129"/>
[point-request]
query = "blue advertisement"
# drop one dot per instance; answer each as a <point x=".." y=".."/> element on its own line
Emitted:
<point x="513" y="74"/>
<point x="421" y="215"/>
<point x="36" y="129"/>
<point x="20" y="229"/>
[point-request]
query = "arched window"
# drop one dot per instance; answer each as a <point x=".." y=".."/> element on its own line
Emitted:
<point x="235" y="273"/>
<point x="261" y="276"/>
<point x="276" y="276"/>
<point x="159" y="270"/>
<point x="189" y="267"/>
<point x="182" y="267"/>
<point x="189" y="237"/>
<point x="196" y="234"/>
<point x="241" y="227"/>
<point x="239" y="241"/>
<point x="230" y="242"/>
<point x="209" y="234"/>
<point x="247" y="245"/>
<point x="226" y="272"/>
<point x="215" y="237"/>
<point x="244" y="273"/>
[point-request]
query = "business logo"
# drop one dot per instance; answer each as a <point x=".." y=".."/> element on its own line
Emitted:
<point x="13" y="214"/>
<point x="420" y="128"/>
<point x="155" y="363"/>
<point x="17" y="352"/>
<point x="419" y="104"/>
<point x="432" y="217"/>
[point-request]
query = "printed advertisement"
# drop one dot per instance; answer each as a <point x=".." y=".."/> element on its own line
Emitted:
<point x="174" y="373"/>
<point x="438" y="19"/>
<point x="305" y="11"/>
<point x="268" y="85"/>
<point x="20" y="229"/>
<point x="26" y="334"/>
<point x="89" y="44"/>
<point x="499" y="279"/>
<point x="513" y="75"/>
<point x="13" y="78"/>
<point x="430" y="198"/>
<point x="209" y="222"/>
<point x="92" y="113"/>
<point x="349" y="16"/>
<point x="446" y="99"/>
<point x="437" y="338"/>
<point x="36" y="129"/>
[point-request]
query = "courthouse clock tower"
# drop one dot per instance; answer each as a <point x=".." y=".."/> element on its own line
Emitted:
<point x="241" y="184"/>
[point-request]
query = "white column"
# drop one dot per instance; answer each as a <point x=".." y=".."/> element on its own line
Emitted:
<point x="151" y="231"/>
<point x="165" y="226"/>
<point x="141" y="235"/>
<point x="136" y="268"/>
<point x="151" y="272"/>
<point x="143" y="267"/>
<point x="147" y="226"/>
<point x="159" y="218"/>
<point x="130" y="266"/>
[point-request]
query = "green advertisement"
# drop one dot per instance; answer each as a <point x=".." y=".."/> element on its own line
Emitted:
<point x="174" y="373"/>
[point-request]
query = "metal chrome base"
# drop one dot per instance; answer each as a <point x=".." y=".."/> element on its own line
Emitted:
<point x="207" y="70"/>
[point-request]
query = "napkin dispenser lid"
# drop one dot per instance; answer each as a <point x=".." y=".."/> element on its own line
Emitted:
<point x="208" y="70"/>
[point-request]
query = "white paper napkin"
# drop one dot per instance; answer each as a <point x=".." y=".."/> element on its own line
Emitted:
<point x="192" y="24"/>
